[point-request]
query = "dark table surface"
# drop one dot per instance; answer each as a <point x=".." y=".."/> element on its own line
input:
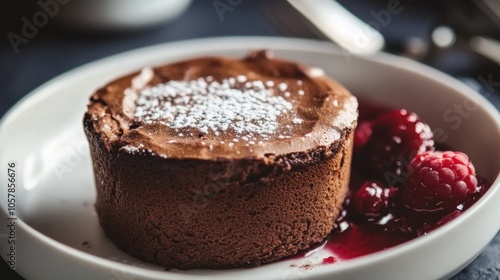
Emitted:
<point x="55" y="50"/>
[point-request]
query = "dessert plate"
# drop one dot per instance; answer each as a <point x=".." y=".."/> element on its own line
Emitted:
<point x="57" y="235"/>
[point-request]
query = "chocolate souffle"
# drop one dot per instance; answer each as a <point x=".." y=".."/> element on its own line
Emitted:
<point x="218" y="162"/>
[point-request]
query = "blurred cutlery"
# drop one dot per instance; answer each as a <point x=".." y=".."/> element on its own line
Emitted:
<point x="341" y="26"/>
<point x="487" y="47"/>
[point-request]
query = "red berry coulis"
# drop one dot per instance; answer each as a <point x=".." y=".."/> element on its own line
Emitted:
<point x="377" y="212"/>
<point x="329" y="260"/>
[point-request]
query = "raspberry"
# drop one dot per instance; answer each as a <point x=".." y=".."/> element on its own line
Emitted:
<point x="438" y="182"/>
<point x="373" y="200"/>
<point x="396" y="137"/>
<point x="480" y="191"/>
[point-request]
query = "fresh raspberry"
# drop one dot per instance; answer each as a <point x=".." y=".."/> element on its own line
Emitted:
<point x="373" y="200"/>
<point x="397" y="136"/>
<point x="480" y="191"/>
<point x="438" y="182"/>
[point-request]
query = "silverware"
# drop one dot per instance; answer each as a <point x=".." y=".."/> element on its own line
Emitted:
<point x="327" y="19"/>
<point x="487" y="47"/>
<point x="340" y="25"/>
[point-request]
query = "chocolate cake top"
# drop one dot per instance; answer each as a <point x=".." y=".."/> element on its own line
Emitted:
<point x="217" y="107"/>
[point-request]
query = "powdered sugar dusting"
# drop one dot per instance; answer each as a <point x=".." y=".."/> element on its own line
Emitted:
<point x="349" y="114"/>
<point x="137" y="83"/>
<point x="248" y="107"/>
<point x="137" y="150"/>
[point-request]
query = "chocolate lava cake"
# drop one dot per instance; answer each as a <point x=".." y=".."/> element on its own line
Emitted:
<point x="218" y="162"/>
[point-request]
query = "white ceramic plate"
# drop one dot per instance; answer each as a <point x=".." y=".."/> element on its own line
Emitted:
<point x="119" y="15"/>
<point x="55" y="193"/>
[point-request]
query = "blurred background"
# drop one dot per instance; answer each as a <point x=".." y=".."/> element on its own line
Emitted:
<point x="45" y="38"/>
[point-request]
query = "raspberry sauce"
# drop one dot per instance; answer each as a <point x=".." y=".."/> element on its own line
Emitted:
<point x="360" y="230"/>
<point x="361" y="239"/>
